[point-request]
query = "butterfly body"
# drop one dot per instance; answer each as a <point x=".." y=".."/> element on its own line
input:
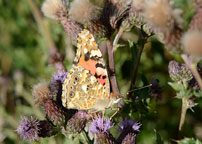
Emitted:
<point x="87" y="85"/>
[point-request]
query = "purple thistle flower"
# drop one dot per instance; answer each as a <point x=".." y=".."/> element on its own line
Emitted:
<point x="128" y="124"/>
<point x="129" y="130"/>
<point x="100" y="125"/>
<point x="61" y="76"/>
<point x="28" y="129"/>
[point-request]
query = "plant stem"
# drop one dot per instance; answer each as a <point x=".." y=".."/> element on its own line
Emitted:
<point x="83" y="134"/>
<point x="55" y="57"/>
<point x="193" y="67"/>
<point x="113" y="79"/>
<point x="141" y="42"/>
<point x="118" y="35"/>
<point x="183" y="112"/>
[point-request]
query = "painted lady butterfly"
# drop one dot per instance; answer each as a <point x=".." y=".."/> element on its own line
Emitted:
<point x="87" y="85"/>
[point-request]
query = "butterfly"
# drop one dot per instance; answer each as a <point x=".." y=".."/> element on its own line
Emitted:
<point x="87" y="86"/>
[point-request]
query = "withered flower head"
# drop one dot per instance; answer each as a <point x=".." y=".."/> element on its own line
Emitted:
<point x="51" y="8"/>
<point x="41" y="93"/>
<point x="83" y="11"/>
<point x="192" y="42"/>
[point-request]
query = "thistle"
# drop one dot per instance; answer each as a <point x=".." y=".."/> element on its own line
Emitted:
<point x="129" y="130"/>
<point x="179" y="73"/>
<point x="99" y="127"/>
<point x="28" y="129"/>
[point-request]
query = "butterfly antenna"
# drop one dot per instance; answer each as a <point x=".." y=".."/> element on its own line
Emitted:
<point x="139" y="88"/>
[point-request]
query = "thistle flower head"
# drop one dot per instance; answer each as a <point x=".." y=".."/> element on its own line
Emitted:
<point x="129" y="124"/>
<point x="55" y="112"/>
<point x="61" y="76"/>
<point x="129" y="130"/>
<point x="52" y="8"/>
<point x="100" y="125"/>
<point x="77" y="122"/>
<point x="28" y="129"/>
<point x="192" y="42"/>
<point x="83" y="11"/>
<point x="41" y="93"/>
<point x="179" y="73"/>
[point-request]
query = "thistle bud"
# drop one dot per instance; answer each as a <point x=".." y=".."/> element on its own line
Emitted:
<point x="179" y="73"/>
<point x="55" y="112"/>
<point x="75" y="124"/>
<point x="174" y="71"/>
<point x="46" y="129"/>
<point x="186" y="73"/>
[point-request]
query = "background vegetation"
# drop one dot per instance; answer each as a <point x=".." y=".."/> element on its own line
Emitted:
<point x="24" y="63"/>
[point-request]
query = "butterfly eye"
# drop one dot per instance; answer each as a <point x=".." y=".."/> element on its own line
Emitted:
<point x="71" y="94"/>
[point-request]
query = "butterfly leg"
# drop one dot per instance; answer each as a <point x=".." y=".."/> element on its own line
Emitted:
<point x="103" y="113"/>
<point x="91" y="113"/>
<point x="116" y="111"/>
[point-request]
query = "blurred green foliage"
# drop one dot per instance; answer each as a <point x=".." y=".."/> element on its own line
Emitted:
<point x="24" y="63"/>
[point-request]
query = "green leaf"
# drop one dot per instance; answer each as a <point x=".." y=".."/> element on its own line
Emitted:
<point x="197" y="93"/>
<point x="158" y="138"/>
<point x="176" y="86"/>
<point x="189" y="141"/>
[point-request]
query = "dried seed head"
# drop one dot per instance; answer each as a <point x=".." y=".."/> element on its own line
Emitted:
<point x="192" y="42"/>
<point x="41" y="93"/>
<point x="51" y="8"/>
<point x="83" y="11"/>
<point x="196" y="22"/>
<point x="158" y="13"/>
<point x="138" y="5"/>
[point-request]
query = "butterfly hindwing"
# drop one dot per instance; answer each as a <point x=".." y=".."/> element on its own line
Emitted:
<point x="82" y="91"/>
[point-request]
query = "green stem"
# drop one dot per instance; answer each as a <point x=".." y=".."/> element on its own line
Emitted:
<point x="183" y="112"/>
<point x="83" y="134"/>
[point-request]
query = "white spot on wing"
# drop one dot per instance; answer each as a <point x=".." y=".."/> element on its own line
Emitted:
<point x="85" y="50"/>
<point x="96" y="53"/>
<point x="84" y="88"/>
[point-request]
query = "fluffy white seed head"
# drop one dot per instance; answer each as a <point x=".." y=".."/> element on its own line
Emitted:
<point x="51" y="8"/>
<point x="158" y="13"/>
<point x="192" y="42"/>
<point x="138" y="4"/>
<point x="83" y="11"/>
